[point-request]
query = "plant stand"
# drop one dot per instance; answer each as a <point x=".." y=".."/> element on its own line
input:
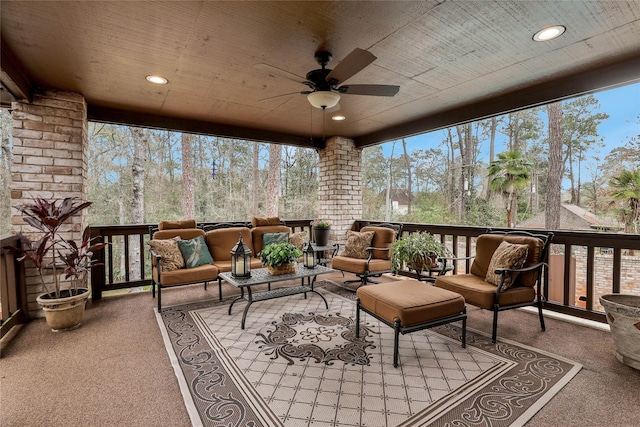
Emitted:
<point x="623" y="315"/>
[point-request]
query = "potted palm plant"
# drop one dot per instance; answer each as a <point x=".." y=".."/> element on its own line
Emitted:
<point x="280" y="258"/>
<point x="417" y="251"/>
<point x="64" y="260"/>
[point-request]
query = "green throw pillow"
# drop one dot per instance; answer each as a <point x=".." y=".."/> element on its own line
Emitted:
<point x="269" y="238"/>
<point x="195" y="252"/>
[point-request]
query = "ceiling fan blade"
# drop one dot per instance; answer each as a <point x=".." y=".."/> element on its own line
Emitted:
<point x="350" y="65"/>
<point x="277" y="72"/>
<point x="284" y="95"/>
<point x="374" y="90"/>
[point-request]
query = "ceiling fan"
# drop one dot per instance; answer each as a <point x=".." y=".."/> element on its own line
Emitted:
<point x="324" y="82"/>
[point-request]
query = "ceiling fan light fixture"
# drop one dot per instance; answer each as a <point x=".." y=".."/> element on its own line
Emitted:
<point x="323" y="99"/>
<point x="549" y="33"/>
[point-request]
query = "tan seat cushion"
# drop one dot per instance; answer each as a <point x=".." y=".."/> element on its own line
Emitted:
<point x="357" y="244"/>
<point x="476" y="291"/>
<point x="507" y="255"/>
<point x="203" y="273"/>
<point x="224" y="266"/>
<point x="358" y="266"/>
<point x="410" y="301"/>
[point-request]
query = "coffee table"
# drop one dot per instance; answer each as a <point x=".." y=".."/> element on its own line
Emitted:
<point x="262" y="276"/>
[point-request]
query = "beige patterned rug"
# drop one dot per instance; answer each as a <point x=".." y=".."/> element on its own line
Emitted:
<point x="299" y="364"/>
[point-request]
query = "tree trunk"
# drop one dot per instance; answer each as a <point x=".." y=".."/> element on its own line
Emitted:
<point x="409" y="183"/>
<point x="387" y="210"/>
<point x="188" y="190"/>
<point x="140" y="144"/>
<point x="273" y="179"/>
<point x="256" y="178"/>
<point x="556" y="166"/>
<point x="492" y="152"/>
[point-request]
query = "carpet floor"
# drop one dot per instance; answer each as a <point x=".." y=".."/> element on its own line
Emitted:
<point x="115" y="371"/>
<point x="300" y="364"/>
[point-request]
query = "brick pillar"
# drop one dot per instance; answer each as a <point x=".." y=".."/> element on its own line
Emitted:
<point x="49" y="160"/>
<point x="339" y="189"/>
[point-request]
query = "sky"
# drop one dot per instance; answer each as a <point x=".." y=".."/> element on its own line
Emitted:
<point x="622" y="104"/>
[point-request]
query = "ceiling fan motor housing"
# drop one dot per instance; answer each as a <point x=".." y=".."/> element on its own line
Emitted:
<point x="319" y="78"/>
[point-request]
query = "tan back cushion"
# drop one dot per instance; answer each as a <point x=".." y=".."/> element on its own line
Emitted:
<point x="257" y="234"/>
<point x="261" y="222"/>
<point x="486" y="245"/>
<point x="383" y="238"/>
<point x="184" y="233"/>
<point x="221" y="241"/>
<point x="169" y="225"/>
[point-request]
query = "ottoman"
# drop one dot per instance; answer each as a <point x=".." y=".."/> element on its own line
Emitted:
<point x="409" y="306"/>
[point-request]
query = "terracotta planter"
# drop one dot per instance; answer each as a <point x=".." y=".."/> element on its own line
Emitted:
<point x="321" y="236"/>
<point x="623" y="315"/>
<point x="65" y="313"/>
<point x="282" y="269"/>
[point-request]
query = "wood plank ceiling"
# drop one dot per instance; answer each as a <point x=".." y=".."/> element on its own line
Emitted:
<point x="453" y="60"/>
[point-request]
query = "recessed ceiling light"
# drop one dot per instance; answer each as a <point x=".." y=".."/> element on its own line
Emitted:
<point x="549" y="33"/>
<point x="338" y="118"/>
<point x="157" y="80"/>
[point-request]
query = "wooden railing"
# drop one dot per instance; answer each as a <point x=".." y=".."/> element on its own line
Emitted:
<point x="13" y="290"/>
<point x="574" y="291"/>
<point x="602" y="252"/>
<point x="116" y="270"/>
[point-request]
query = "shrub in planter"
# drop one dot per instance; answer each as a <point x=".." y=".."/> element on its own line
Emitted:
<point x="417" y="251"/>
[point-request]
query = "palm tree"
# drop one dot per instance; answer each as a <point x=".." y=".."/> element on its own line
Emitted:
<point x="509" y="174"/>
<point x="626" y="186"/>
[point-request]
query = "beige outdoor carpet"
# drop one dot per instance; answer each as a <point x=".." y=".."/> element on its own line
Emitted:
<point x="299" y="364"/>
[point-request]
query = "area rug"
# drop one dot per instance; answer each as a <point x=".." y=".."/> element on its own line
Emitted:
<point x="299" y="364"/>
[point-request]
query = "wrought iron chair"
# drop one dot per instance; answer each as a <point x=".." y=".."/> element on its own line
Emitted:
<point x="514" y="285"/>
<point x="377" y="259"/>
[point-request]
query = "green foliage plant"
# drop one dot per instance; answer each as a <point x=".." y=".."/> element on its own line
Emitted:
<point x="321" y="224"/>
<point x="626" y="187"/>
<point x="277" y="254"/>
<point x="52" y="253"/>
<point x="417" y="251"/>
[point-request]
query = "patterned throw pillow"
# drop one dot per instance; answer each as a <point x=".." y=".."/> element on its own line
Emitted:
<point x="195" y="252"/>
<point x="507" y="255"/>
<point x="269" y="238"/>
<point x="298" y="239"/>
<point x="169" y="250"/>
<point x="357" y="244"/>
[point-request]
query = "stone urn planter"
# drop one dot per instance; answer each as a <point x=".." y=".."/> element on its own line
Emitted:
<point x="623" y="315"/>
<point x="64" y="313"/>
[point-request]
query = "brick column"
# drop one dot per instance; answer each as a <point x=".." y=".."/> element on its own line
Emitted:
<point x="339" y="189"/>
<point x="49" y="160"/>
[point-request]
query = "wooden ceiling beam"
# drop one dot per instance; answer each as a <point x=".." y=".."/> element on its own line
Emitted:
<point x="568" y="86"/>
<point x="131" y="118"/>
<point x="13" y="78"/>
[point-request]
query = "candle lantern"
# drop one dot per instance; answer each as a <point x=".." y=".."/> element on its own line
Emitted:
<point x="240" y="260"/>
<point x="309" y="256"/>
